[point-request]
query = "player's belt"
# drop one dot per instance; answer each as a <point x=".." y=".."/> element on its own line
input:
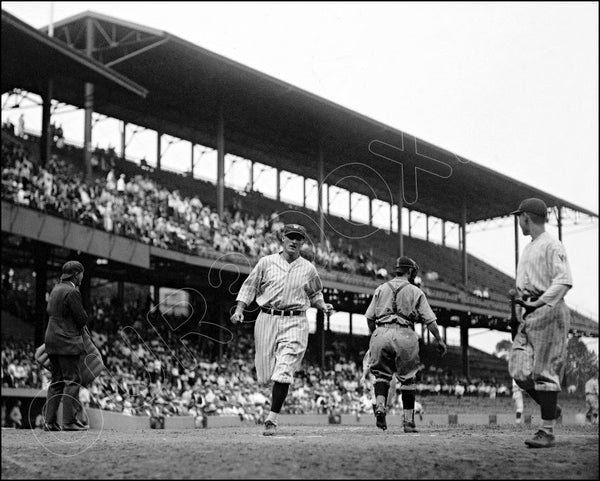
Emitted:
<point x="389" y="323"/>
<point x="277" y="312"/>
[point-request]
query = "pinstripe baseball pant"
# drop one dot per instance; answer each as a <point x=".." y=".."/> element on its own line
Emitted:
<point x="281" y="342"/>
<point x="539" y="351"/>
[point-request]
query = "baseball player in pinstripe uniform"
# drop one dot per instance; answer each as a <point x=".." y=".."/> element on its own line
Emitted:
<point x="394" y="345"/>
<point x="285" y="285"/>
<point x="539" y="350"/>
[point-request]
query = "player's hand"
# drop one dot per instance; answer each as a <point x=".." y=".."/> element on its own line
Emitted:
<point x="528" y="306"/>
<point x="442" y="348"/>
<point x="237" y="317"/>
<point x="328" y="308"/>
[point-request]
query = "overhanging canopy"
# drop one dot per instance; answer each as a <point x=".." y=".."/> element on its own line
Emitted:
<point x="30" y="57"/>
<point x="273" y="122"/>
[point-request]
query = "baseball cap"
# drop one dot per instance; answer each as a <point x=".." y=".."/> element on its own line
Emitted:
<point x="406" y="262"/>
<point x="532" y="206"/>
<point x="294" y="229"/>
<point x="70" y="268"/>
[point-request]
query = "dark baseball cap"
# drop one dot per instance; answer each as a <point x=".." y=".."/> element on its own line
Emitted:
<point x="294" y="229"/>
<point x="71" y="268"/>
<point x="532" y="206"/>
<point x="406" y="262"/>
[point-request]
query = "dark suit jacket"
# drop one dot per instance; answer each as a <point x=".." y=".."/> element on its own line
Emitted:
<point x="67" y="320"/>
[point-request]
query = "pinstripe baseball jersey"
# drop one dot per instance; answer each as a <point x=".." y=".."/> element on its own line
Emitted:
<point x="543" y="264"/>
<point x="282" y="285"/>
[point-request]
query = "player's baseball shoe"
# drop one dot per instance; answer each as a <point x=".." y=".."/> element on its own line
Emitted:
<point x="380" y="419"/>
<point x="541" y="439"/>
<point x="409" y="427"/>
<point x="52" y="427"/>
<point x="270" y="428"/>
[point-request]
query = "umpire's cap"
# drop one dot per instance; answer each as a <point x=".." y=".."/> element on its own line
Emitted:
<point x="406" y="262"/>
<point x="71" y="268"/>
<point x="294" y="229"/>
<point x="532" y="206"/>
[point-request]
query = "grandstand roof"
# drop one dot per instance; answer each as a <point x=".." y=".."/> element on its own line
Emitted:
<point x="273" y="122"/>
<point x="30" y="57"/>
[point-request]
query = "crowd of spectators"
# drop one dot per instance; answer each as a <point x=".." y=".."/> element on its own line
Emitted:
<point x="140" y="208"/>
<point x="153" y="369"/>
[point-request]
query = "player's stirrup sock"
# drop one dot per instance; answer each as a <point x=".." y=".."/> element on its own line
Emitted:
<point x="548" y="404"/>
<point x="408" y="401"/>
<point x="280" y="391"/>
<point x="381" y="392"/>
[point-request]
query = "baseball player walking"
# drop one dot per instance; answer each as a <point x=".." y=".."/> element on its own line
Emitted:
<point x="539" y="350"/>
<point x="394" y="345"/>
<point x="285" y="285"/>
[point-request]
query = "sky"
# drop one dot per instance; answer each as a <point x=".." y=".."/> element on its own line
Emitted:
<point x="511" y="86"/>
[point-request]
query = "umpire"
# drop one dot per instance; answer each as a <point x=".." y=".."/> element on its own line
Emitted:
<point x="64" y="346"/>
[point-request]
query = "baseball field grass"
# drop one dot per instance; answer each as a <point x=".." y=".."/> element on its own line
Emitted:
<point x="460" y="451"/>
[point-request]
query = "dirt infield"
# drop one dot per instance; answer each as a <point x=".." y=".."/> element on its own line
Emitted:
<point x="301" y="452"/>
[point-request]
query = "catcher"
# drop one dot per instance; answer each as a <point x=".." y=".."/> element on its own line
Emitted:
<point x="394" y="345"/>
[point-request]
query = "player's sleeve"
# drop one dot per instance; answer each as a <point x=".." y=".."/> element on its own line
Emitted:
<point x="560" y="273"/>
<point x="370" y="313"/>
<point x="423" y="308"/>
<point x="250" y="286"/>
<point x="314" y="288"/>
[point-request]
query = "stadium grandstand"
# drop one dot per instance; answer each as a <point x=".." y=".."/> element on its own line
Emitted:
<point x="139" y="229"/>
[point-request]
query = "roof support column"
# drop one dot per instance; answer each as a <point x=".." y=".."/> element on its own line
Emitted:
<point x="464" y="343"/>
<point x="427" y="227"/>
<point x="399" y="215"/>
<point x="409" y="223"/>
<point x="278" y="185"/>
<point x="304" y="192"/>
<point x="87" y="133"/>
<point x="559" y="219"/>
<point x="220" y="162"/>
<point x="251" y="176"/>
<point x="192" y="161"/>
<point x="349" y="205"/>
<point x="88" y="104"/>
<point x="320" y="335"/>
<point x="328" y="202"/>
<point x="370" y="211"/>
<point x="320" y="176"/>
<point x="46" y="140"/>
<point x="41" y="255"/>
<point x="350" y="340"/>
<point x="123" y="140"/>
<point x="158" y="149"/>
<point x="391" y="219"/>
<point x="516" y="217"/>
<point x="444" y="233"/>
<point x="465" y="274"/>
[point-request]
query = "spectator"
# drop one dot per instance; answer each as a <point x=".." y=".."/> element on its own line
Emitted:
<point x="15" y="416"/>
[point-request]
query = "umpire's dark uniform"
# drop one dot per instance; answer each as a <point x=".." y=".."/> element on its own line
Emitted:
<point x="64" y="345"/>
